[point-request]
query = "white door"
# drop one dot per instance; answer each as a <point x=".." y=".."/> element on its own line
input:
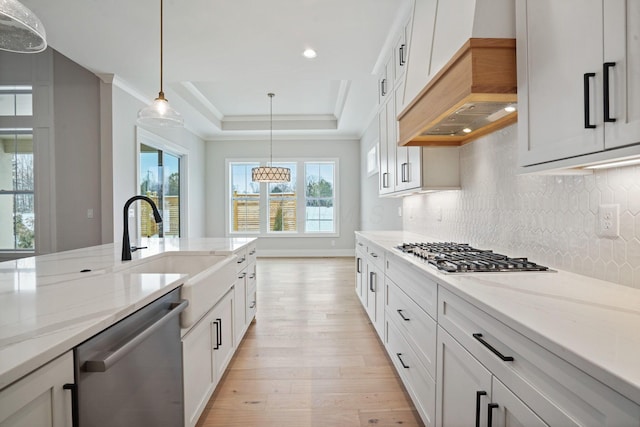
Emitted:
<point x="622" y="48"/>
<point x="560" y="57"/>
<point x="463" y="385"/>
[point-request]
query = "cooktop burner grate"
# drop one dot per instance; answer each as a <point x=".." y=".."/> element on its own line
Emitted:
<point x="453" y="257"/>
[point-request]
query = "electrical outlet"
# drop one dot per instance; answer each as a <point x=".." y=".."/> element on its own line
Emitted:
<point x="608" y="221"/>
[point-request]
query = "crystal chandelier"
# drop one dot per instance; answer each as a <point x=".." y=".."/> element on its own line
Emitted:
<point x="20" y="29"/>
<point x="159" y="112"/>
<point x="270" y="173"/>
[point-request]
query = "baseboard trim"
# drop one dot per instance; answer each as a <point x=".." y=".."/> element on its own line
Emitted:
<point x="305" y="253"/>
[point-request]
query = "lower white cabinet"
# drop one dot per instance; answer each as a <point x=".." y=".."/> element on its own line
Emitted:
<point x="535" y="386"/>
<point x="375" y="297"/>
<point x="206" y="351"/>
<point x="39" y="399"/>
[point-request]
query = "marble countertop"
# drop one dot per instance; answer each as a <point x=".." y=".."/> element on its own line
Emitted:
<point x="48" y="306"/>
<point x="591" y="323"/>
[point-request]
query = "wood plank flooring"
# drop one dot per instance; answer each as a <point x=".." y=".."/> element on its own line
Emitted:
<point x="311" y="358"/>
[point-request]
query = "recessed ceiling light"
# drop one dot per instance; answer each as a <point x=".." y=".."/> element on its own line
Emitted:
<point x="309" y="53"/>
<point x="510" y="109"/>
<point x="466" y="130"/>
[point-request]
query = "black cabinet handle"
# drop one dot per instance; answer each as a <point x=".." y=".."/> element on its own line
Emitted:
<point x="605" y="72"/>
<point x="372" y="275"/>
<point x="242" y="276"/>
<point x="253" y="304"/>
<point x="358" y="265"/>
<point x="402" y="59"/>
<point x="385" y="180"/>
<point x="373" y="254"/>
<point x="241" y="260"/>
<point x="406" y="319"/>
<point x="479" y="394"/>
<point x="491" y="407"/>
<point x="405" y="172"/>
<point x="383" y="87"/>
<point x="587" y="120"/>
<point x="404" y="365"/>
<point x="218" y="323"/>
<point x="75" y="421"/>
<point x="492" y="349"/>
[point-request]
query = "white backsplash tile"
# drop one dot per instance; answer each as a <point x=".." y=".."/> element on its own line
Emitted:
<point x="549" y="219"/>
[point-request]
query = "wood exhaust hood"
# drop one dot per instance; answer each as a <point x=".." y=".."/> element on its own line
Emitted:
<point x="467" y="98"/>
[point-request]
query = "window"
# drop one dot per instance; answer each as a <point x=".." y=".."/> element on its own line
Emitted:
<point x="160" y="181"/>
<point x="17" y="200"/>
<point x="273" y="209"/>
<point x="320" y="182"/>
<point x="283" y="203"/>
<point x="245" y="199"/>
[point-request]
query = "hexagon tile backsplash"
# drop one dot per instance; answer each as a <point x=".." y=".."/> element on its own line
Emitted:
<point x="549" y="219"/>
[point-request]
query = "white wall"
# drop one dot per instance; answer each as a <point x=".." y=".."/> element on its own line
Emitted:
<point x="376" y="213"/>
<point x="549" y="219"/>
<point x="347" y="151"/>
<point x="125" y="109"/>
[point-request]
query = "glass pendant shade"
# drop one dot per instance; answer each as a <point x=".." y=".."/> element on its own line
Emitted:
<point x="160" y="113"/>
<point x="270" y="174"/>
<point x="20" y="29"/>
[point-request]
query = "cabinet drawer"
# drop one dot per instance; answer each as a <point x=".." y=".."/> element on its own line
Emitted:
<point x="414" y="282"/>
<point x="375" y="256"/>
<point x="550" y="386"/>
<point x="416" y="325"/>
<point x="420" y="385"/>
<point x="251" y="253"/>
<point x="241" y="260"/>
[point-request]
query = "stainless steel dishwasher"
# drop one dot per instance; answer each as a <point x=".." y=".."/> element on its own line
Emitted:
<point x="131" y="373"/>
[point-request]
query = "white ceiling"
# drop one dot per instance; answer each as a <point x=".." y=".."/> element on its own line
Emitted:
<point x="222" y="57"/>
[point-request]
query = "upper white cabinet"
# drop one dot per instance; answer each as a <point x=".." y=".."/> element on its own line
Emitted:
<point x="578" y="80"/>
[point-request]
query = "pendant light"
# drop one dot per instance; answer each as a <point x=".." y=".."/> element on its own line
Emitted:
<point x="20" y="29"/>
<point x="159" y="112"/>
<point x="270" y="173"/>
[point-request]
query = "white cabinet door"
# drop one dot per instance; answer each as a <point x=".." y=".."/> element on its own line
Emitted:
<point x="622" y="48"/>
<point x="560" y="57"/>
<point x="222" y="334"/>
<point x="251" y="300"/>
<point x="39" y="399"/>
<point x="511" y="411"/>
<point x="375" y="300"/>
<point x="463" y="385"/>
<point x="240" y="305"/>
<point x="198" y="369"/>
<point x="386" y="122"/>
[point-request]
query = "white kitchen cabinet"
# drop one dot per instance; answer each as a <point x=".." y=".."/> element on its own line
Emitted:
<point x="385" y="79"/>
<point x="39" y="399"/>
<point x="509" y="411"/>
<point x="245" y="291"/>
<point x="240" y="305"/>
<point x="408" y="168"/>
<point x="401" y="53"/>
<point x="565" y="52"/>
<point x="206" y="351"/>
<point x="361" y="273"/>
<point x="556" y="392"/>
<point x="375" y="295"/>
<point x="386" y="174"/>
<point x="420" y="385"/>
<point x="463" y="385"/>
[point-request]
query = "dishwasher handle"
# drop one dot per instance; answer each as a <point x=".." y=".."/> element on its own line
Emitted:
<point x="103" y="364"/>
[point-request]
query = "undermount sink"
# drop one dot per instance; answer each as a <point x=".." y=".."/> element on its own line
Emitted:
<point x="210" y="277"/>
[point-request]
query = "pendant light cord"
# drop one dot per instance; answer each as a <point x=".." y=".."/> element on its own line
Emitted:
<point x="161" y="47"/>
<point x="271" y="95"/>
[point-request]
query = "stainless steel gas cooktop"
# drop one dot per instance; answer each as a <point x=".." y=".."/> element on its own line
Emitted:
<point x="461" y="258"/>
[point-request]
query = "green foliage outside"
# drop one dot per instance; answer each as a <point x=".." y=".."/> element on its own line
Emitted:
<point x="24" y="234"/>
<point x="277" y="221"/>
<point x="319" y="193"/>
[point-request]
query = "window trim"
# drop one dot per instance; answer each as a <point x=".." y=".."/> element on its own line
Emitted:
<point x="301" y="199"/>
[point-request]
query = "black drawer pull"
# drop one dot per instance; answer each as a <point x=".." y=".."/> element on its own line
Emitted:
<point x="406" y="319"/>
<point x="479" y="394"/>
<point x="404" y="365"/>
<point x="492" y="349"/>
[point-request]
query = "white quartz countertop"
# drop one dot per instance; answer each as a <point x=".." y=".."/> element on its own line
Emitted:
<point x="48" y="306"/>
<point x="591" y="323"/>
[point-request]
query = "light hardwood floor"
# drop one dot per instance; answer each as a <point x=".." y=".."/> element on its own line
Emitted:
<point x="311" y="358"/>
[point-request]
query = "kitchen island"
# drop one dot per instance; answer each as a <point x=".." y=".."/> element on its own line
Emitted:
<point x="52" y="303"/>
